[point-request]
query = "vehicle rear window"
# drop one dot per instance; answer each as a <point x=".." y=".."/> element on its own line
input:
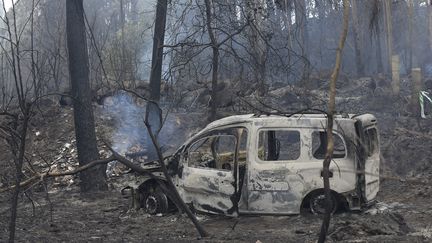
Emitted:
<point x="319" y="145"/>
<point x="278" y="145"/>
<point x="371" y="141"/>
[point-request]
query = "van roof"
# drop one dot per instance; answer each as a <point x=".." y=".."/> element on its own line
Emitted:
<point x="256" y="117"/>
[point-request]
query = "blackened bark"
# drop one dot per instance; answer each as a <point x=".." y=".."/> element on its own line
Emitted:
<point x="380" y="68"/>
<point x="19" y="161"/>
<point x="157" y="55"/>
<point x="94" y="178"/>
<point x="215" y="62"/>
<point x="357" y="39"/>
<point x="301" y="19"/>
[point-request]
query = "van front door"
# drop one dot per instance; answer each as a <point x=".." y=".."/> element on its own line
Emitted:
<point x="209" y="173"/>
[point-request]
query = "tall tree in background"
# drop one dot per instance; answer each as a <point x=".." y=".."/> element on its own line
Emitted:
<point x="157" y="55"/>
<point x="375" y="30"/>
<point x="410" y="33"/>
<point x="389" y="32"/>
<point x="357" y="38"/>
<point x="303" y="37"/>
<point x="215" y="60"/>
<point x="429" y="12"/>
<point x="94" y="178"/>
<point x="257" y="13"/>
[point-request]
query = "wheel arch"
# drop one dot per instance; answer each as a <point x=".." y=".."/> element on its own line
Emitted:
<point x="150" y="184"/>
<point x="341" y="199"/>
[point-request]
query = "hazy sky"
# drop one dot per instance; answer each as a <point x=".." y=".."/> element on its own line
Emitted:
<point x="8" y="3"/>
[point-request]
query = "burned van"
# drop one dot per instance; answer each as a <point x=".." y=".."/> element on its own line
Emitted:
<point x="272" y="164"/>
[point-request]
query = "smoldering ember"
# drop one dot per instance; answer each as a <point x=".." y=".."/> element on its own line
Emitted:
<point x="215" y="121"/>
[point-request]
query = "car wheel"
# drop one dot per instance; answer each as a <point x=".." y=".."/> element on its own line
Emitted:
<point x="317" y="203"/>
<point x="156" y="202"/>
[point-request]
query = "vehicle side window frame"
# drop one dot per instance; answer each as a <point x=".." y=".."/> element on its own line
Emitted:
<point x="214" y="133"/>
<point x="257" y="144"/>
<point x="334" y="133"/>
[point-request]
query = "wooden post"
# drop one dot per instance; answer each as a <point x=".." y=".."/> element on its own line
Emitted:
<point x="395" y="64"/>
<point x="416" y="87"/>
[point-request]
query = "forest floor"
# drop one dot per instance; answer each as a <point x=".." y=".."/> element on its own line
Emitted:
<point x="403" y="212"/>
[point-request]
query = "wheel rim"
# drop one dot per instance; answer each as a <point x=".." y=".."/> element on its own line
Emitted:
<point x="318" y="204"/>
<point x="151" y="204"/>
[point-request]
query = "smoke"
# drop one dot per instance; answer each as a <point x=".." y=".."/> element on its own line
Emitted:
<point x="129" y="132"/>
<point x="128" y="118"/>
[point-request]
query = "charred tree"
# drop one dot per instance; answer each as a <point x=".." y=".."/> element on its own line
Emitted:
<point x="429" y="12"/>
<point x="303" y="37"/>
<point x="375" y="31"/>
<point x="95" y="178"/>
<point x="122" y="52"/>
<point x="14" y="133"/>
<point x="157" y="55"/>
<point x="320" y="5"/>
<point x="215" y="61"/>
<point x="331" y="111"/>
<point x="258" y="15"/>
<point x="410" y="33"/>
<point x="357" y="39"/>
<point x="389" y="33"/>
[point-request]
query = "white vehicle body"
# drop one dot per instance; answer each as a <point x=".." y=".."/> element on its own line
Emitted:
<point x="259" y="164"/>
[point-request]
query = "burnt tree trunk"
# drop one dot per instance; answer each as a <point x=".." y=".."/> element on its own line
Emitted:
<point x="301" y="20"/>
<point x="357" y="39"/>
<point x="19" y="156"/>
<point x="94" y="178"/>
<point x="429" y="14"/>
<point x="378" y="52"/>
<point x="215" y="62"/>
<point x="258" y="13"/>
<point x="389" y="33"/>
<point x="410" y="33"/>
<point x="157" y="55"/>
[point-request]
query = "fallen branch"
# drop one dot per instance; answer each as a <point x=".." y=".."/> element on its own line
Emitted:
<point x="41" y="176"/>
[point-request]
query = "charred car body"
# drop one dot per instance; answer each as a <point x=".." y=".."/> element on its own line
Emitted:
<point x="271" y="164"/>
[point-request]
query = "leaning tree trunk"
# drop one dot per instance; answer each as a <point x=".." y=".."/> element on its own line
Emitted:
<point x="157" y="55"/>
<point x="94" y="178"/>
<point x="331" y="111"/>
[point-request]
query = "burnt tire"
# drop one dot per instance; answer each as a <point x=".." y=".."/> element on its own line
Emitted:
<point x="317" y="204"/>
<point x="156" y="202"/>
